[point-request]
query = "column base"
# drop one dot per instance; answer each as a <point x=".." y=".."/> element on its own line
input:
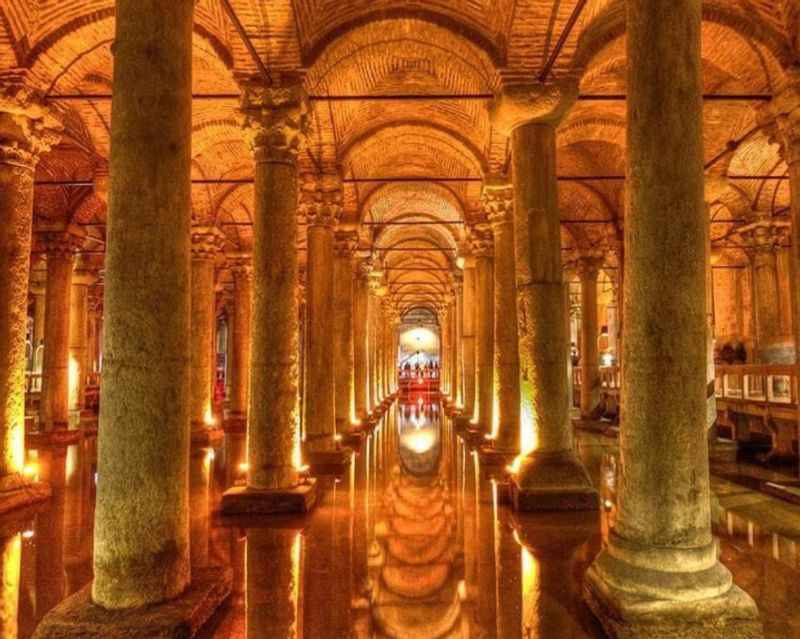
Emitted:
<point x="235" y="424"/>
<point x="77" y="617"/>
<point x="495" y="458"/>
<point x="207" y="437"/>
<point x="243" y="500"/>
<point x="324" y="463"/>
<point x="22" y="495"/>
<point x="60" y="438"/>
<point x="553" y="481"/>
<point x="731" y="614"/>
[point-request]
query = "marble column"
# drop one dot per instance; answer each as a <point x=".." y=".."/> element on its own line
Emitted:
<point x="763" y="238"/>
<point x="39" y="291"/>
<point x="588" y="270"/>
<point x="321" y="203"/>
<point x="276" y="123"/>
<point x="549" y="474"/>
<point x="242" y="269"/>
<point x="468" y="336"/>
<point x="27" y="130"/>
<point x="483" y="249"/>
<point x="141" y="542"/>
<point x="360" y="341"/>
<point x="207" y="242"/>
<point x="372" y="373"/>
<point x="60" y="247"/>
<point x="345" y="243"/>
<point x="780" y="119"/>
<point x="660" y="573"/>
<point x="499" y="205"/>
<point x="79" y="363"/>
<point x="458" y="361"/>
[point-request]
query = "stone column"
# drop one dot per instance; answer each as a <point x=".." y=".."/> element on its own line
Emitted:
<point x="60" y="247"/>
<point x="499" y="205"/>
<point x="468" y="336"/>
<point x="660" y="575"/>
<point x="372" y="351"/>
<point x="242" y="269"/>
<point x="345" y="242"/>
<point x="141" y="543"/>
<point x="206" y="244"/>
<point x="360" y="346"/>
<point x="483" y="249"/>
<point x="27" y="129"/>
<point x="763" y="238"/>
<point x="39" y="291"/>
<point x="548" y="474"/>
<point x="588" y="270"/>
<point x="458" y="317"/>
<point x="781" y="120"/>
<point x="79" y="363"/>
<point x="275" y="122"/>
<point x="321" y="203"/>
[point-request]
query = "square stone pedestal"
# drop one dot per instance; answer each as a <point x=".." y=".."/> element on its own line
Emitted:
<point x="626" y="616"/>
<point x="182" y="618"/>
<point x="241" y="500"/>
<point x="59" y="438"/>
<point x="235" y="425"/>
<point x="207" y="437"/>
<point x="18" y="503"/>
<point x="495" y="459"/>
<point x="323" y="463"/>
<point x="534" y="500"/>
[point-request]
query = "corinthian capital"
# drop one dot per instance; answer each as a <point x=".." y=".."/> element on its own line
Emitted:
<point x="521" y="101"/>
<point x="207" y="242"/>
<point x="345" y="242"/>
<point x="481" y="241"/>
<point x="780" y="118"/>
<point x="275" y="118"/>
<point x="28" y="127"/>
<point x="498" y="202"/>
<point x="321" y="200"/>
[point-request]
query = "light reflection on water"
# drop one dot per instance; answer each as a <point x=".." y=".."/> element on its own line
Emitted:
<point x="415" y="541"/>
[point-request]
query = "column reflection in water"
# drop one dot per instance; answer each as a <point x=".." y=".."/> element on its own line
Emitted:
<point x="10" y="564"/>
<point x="414" y="580"/>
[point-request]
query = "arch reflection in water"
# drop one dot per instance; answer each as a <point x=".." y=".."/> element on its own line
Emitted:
<point x="413" y="573"/>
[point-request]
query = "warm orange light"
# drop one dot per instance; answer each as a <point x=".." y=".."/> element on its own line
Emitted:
<point x="31" y="470"/>
<point x="28" y="534"/>
<point x="208" y="418"/>
<point x="244" y="467"/>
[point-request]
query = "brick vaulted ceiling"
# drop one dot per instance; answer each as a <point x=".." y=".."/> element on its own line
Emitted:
<point x="412" y="47"/>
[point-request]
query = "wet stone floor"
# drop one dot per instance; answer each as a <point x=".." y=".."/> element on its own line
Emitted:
<point x="413" y="542"/>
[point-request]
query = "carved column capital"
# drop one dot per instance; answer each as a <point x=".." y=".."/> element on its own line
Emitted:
<point x="275" y="119"/>
<point x="498" y="203"/>
<point x="320" y="200"/>
<point x="522" y="102"/>
<point x="241" y="266"/>
<point x="481" y="241"/>
<point x="763" y="234"/>
<point x="60" y="241"/>
<point x="207" y="242"/>
<point x="28" y="127"/>
<point x="588" y="265"/>
<point x="780" y="118"/>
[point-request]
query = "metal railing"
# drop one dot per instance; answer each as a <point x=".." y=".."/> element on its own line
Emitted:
<point x="769" y="384"/>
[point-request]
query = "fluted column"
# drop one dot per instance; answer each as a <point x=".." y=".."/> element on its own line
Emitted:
<point x="242" y="269"/>
<point x="499" y="205"/>
<point x="549" y="475"/>
<point x="28" y="130"/>
<point x="60" y="247"/>
<point x="345" y="243"/>
<point x="360" y="341"/>
<point x="660" y="574"/>
<point x="468" y="336"/>
<point x="321" y="202"/>
<point x="141" y="543"/>
<point x="588" y="270"/>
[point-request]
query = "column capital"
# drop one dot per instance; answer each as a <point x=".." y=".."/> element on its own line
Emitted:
<point x="207" y="242"/>
<point x="28" y="127"/>
<point x="240" y="265"/>
<point x="321" y="199"/>
<point x="345" y="242"/>
<point x="522" y="102"/>
<point x="481" y="240"/>
<point x="588" y="264"/>
<point x="60" y="240"/>
<point x="498" y="202"/>
<point x="275" y="119"/>
<point x="780" y="118"/>
<point x="764" y="234"/>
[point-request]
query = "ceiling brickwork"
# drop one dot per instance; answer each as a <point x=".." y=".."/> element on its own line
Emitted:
<point x="413" y="48"/>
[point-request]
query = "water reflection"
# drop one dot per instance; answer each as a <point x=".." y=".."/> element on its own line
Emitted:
<point x="416" y="540"/>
